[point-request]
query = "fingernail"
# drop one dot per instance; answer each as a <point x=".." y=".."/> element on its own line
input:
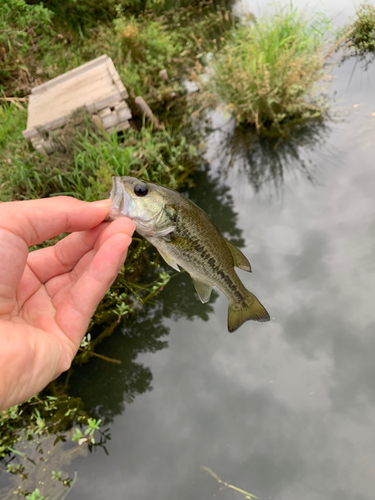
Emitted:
<point x="102" y="202"/>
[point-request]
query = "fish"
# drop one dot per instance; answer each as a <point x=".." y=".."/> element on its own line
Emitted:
<point x="186" y="237"/>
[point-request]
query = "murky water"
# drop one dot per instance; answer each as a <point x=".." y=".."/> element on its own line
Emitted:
<point x="284" y="410"/>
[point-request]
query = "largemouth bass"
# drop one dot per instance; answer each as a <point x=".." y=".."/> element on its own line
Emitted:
<point x="185" y="236"/>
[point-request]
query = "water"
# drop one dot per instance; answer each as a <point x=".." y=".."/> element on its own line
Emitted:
<point x="284" y="410"/>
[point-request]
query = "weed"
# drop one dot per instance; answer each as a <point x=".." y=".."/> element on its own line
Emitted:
<point x="25" y="36"/>
<point x="29" y="433"/>
<point x="359" y="35"/>
<point x="224" y="484"/>
<point x="87" y="158"/>
<point x="143" y="46"/>
<point x="267" y="74"/>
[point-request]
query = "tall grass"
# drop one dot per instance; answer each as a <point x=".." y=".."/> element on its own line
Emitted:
<point x="359" y="34"/>
<point x="268" y="74"/>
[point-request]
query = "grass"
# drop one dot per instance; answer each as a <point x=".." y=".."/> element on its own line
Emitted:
<point x="86" y="159"/>
<point x="26" y="35"/>
<point x="359" y="35"/>
<point x="41" y="48"/>
<point x="268" y="74"/>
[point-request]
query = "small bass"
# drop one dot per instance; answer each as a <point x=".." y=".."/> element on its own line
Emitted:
<point x="185" y="236"/>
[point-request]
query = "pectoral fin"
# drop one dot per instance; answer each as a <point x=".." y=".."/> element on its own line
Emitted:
<point x="169" y="260"/>
<point x="203" y="290"/>
<point x="239" y="259"/>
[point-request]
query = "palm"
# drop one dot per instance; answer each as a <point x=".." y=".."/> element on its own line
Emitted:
<point x="47" y="298"/>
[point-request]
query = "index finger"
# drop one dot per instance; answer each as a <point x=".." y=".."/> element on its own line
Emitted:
<point x="38" y="220"/>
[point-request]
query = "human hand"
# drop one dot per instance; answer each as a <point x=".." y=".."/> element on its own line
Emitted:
<point x="48" y="296"/>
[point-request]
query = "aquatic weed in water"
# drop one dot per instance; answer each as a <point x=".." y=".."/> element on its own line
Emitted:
<point x="358" y="37"/>
<point x="268" y="75"/>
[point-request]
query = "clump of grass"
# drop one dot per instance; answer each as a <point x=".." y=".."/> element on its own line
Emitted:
<point x="25" y="36"/>
<point x="145" y="47"/>
<point x="142" y="46"/>
<point x="268" y="74"/>
<point x="359" y="34"/>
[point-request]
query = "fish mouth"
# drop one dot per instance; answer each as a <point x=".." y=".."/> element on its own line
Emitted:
<point x="119" y="200"/>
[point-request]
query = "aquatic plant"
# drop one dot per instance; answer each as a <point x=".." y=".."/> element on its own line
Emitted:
<point x="357" y="38"/>
<point x="267" y="75"/>
<point x="32" y="437"/>
<point x="229" y="486"/>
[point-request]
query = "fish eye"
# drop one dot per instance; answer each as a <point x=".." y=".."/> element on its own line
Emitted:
<point x="140" y="189"/>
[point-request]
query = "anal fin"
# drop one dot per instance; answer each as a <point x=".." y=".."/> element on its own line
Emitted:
<point x="203" y="290"/>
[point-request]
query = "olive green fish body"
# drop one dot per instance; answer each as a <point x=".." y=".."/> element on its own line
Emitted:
<point x="185" y="236"/>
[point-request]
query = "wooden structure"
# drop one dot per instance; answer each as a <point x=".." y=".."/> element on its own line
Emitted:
<point x="95" y="86"/>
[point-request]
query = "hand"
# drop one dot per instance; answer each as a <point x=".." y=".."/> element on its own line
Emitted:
<point x="47" y="297"/>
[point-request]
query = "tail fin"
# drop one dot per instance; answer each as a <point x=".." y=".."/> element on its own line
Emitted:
<point x="239" y="313"/>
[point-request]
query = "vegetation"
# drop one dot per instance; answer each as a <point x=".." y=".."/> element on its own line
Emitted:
<point x="229" y="486"/>
<point x="86" y="158"/>
<point x="140" y="46"/>
<point x="25" y="37"/>
<point x="268" y="74"/>
<point x="359" y="35"/>
<point x="31" y="431"/>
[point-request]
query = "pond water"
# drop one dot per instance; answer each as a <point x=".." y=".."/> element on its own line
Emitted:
<point x="284" y="410"/>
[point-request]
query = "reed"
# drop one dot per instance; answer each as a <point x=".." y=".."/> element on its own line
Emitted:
<point x="269" y="74"/>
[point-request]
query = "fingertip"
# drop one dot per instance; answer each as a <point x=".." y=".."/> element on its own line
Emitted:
<point x="123" y="225"/>
<point x="121" y="241"/>
<point x="103" y="206"/>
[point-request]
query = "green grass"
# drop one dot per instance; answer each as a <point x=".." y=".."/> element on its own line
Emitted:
<point x="86" y="159"/>
<point x="38" y="48"/>
<point x="359" y="35"/>
<point x="268" y="74"/>
<point x="26" y="34"/>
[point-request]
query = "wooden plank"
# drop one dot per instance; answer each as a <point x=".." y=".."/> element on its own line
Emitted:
<point x="63" y="118"/>
<point x="95" y="86"/>
<point x="67" y="99"/>
<point x="116" y="79"/>
<point x="69" y="74"/>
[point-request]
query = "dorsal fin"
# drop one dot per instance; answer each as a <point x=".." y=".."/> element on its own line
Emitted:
<point x="239" y="259"/>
